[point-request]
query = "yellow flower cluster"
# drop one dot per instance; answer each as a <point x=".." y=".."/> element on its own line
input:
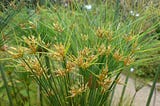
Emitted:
<point x="84" y="37"/>
<point x="102" y="49"/>
<point x="117" y="55"/>
<point x="32" y="43"/>
<point x="103" y="79"/>
<point x="85" y="58"/>
<point x="33" y="65"/>
<point x="62" y="72"/>
<point x="59" y="53"/>
<point x="126" y="59"/>
<point x="17" y="52"/>
<point x="102" y="33"/>
<point x="77" y="90"/>
<point x="57" y="27"/>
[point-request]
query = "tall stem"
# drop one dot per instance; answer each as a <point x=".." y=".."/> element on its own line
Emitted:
<point x="123" y="92"/>
<point x="133" y="98"/>
<point x="6" y="85"/>
<point x="39" y="95"/>
<point x="153" y="86"/>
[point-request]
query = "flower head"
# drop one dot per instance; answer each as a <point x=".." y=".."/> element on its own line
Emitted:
<point x="32" y="43"/>
<point x="77" y="90"/>
<point x="57" y="27"/>
<point x="17" y="52"/>
<point x="59" y="52"/>
<point x="128" y="60"/>
<point x="102" y="49"/>
<point x="117" y="55"/>
<point x="100" y="32"/>
<point x="109" y="49"/>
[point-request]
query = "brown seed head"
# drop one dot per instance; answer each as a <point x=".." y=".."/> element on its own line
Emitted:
<point x="108" y="51"/>
<point x="16" y="52"/>
<point x="59" y="52"/>
<point x="128" y="60"/>
<point x="32" y="43"/>
<point x="108" y="35"/>
<point x="117" y="56"/>
<point x="102" y="49"/>
<point x="57" y="27"/>
<point x="100" y="32"/>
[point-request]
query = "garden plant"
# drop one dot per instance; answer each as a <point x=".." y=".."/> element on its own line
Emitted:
<point x="70" y="55"/>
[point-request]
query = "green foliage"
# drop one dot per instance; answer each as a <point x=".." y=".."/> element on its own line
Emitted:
<point x="72" y="56"/>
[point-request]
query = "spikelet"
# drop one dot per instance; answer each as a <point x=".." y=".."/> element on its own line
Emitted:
<point x="76" y="90"/>
<point x="17" y="52"/>
<point x="59" y="53"/>
<point x="117" y="55"/>
<point x="32" y="43"/>
<point x="57" y="27"/>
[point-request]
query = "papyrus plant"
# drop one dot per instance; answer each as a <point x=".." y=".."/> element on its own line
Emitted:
<point x="75" y="58"/>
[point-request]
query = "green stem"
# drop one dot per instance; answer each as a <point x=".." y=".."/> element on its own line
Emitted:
<point x="40" y="100"/>
<point x="13" y="87"/>
<point x="124" y="88"/>
<point x="39" y="81"/>
<point x="133" y="98"/>
<point x="112" y="95"/>
<point x="28" y="93"/>
<point x="6" y="85"/>
<point x="48" y="80"/>
<point x="153" y="86"/>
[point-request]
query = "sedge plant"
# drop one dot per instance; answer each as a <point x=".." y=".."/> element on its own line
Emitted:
<point x="74" y="57"/>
